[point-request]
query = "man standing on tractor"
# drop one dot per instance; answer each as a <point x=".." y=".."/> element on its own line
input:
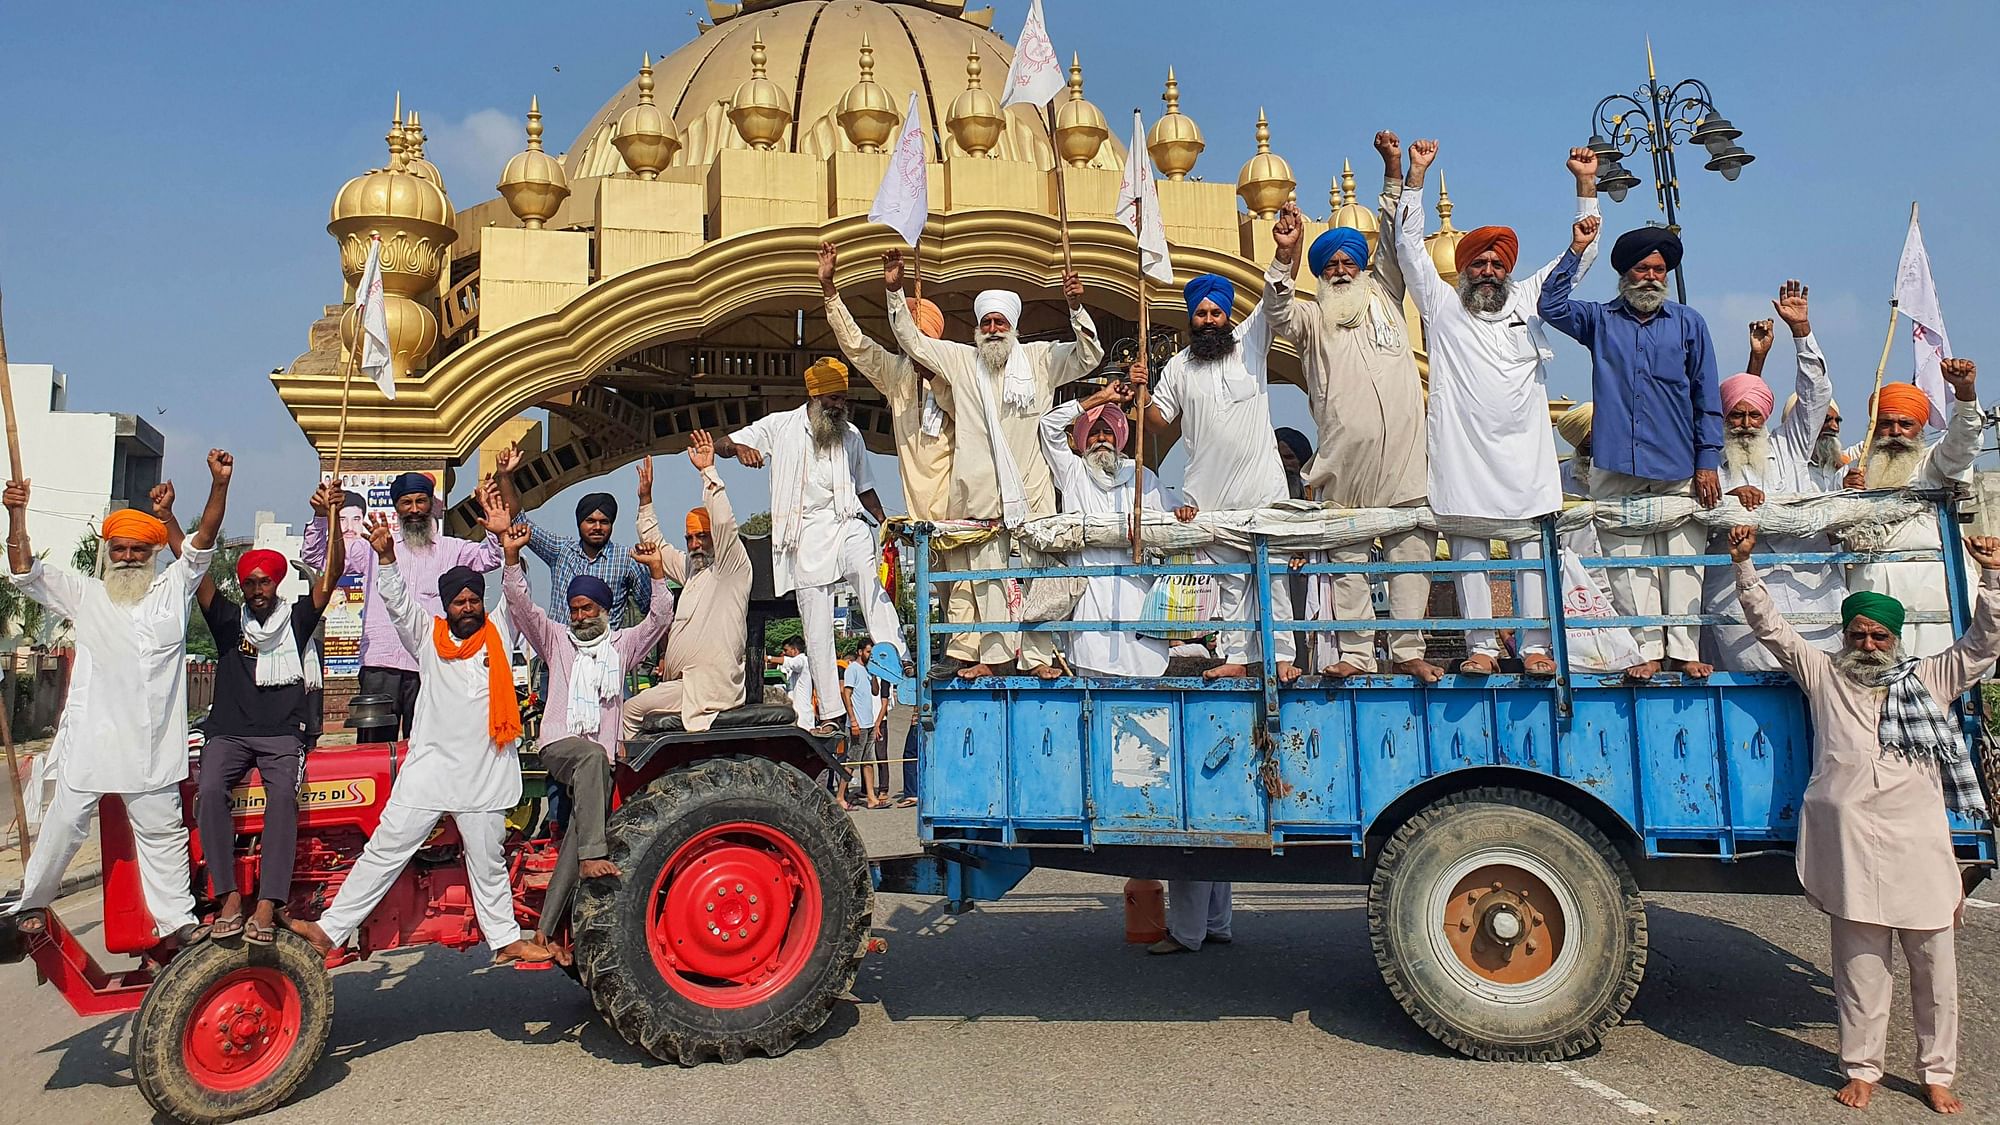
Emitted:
<point x="124" y="727"/>
<point x="464" y="753"/>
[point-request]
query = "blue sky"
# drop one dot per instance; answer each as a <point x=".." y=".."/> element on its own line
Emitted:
<point x="170" y="166"/>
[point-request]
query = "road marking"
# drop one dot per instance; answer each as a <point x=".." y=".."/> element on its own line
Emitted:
<point x="1982" y="904"/>
<point x="1630" y="1105"/>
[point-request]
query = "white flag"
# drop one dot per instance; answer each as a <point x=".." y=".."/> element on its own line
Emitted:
<point x="1139" y="208"/>
<point x="1035" y="77"/>
<point x="1916" y="298"/>
<point x="374" y="339"/>
<point x="904" y="199"/>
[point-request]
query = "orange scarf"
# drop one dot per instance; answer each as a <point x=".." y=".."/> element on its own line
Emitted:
<point x="503" y="711"/>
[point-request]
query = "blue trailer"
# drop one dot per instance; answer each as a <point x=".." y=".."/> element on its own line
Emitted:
<point x="1506" y="827"/>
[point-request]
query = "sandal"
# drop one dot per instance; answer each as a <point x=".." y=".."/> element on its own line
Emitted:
<point x="257" y="933"/>
<point x="907" y="803"/>
<point x="224" y="928"/>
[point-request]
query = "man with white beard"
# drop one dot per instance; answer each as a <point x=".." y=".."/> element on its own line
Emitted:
<point x="1000" y="388"/>
<point x="1757" y="463"/>
<point x="124" y="726"/>
<point x="820" y="490"/>
<point x="1363" y="388"/>
<point x="1657" y="430"/>
<point x="1085" y="441"/>
<point x="1900" y="459"/>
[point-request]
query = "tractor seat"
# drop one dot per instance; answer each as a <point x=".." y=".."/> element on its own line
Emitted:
<point x="752" y="715"/>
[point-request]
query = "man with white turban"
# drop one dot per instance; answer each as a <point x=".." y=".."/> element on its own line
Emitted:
<point x="1001" y="388"/>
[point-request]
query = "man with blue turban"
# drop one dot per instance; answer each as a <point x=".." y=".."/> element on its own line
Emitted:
<point x="1362" y="385"/>
<point x="1217" y="389"/>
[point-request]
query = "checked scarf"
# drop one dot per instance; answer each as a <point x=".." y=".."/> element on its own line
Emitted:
<point x="1915" y="728"/>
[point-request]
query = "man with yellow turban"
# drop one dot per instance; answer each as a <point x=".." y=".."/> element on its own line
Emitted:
<point x="701" y="671"/>
<point x="1889" y="762"/>
<point x="1001" y="388"/>
<point x="822" y="502"/>
<point x="1900" y="459"/>
<point x="124" y="726"/>
<point x="1492" y="453"/>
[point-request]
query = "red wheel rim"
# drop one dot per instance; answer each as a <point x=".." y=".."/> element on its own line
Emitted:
<point x="242" y="1030"/>
<point x="735" y="915"/>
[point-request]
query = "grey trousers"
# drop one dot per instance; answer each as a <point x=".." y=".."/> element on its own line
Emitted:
<point x="280" y="762"/>
<point x="581" y="766"/>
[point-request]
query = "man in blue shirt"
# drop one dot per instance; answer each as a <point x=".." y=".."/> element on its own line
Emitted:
<point x="591" y="552"/>
<point x="1657" y="428"/>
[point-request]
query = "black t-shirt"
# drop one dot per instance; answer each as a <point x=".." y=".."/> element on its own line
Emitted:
<point x="241" y="707"/>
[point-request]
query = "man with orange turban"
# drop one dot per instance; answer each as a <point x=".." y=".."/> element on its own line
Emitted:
<point x="822" y="504"/>
<point x="124" y="725"/>
<point x="701" y="671"/>
<point x="1492" y="451"/>
<point x="1900" y="459"/>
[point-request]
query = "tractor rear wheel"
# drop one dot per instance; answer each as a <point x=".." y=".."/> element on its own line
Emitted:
<point x="739" y="919"/>
<point x="228" y="1031"/>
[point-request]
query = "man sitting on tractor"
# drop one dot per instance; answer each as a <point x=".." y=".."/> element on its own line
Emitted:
<point x="124" y="726"/>
<point x="464" y="754"/>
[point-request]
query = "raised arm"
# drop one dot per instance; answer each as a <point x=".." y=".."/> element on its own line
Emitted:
<point x="412" y="624"/>
<point x="1081" y="354"/>
<point x="1951" y="458"/>
<point x="1555" y="305"/>
<point x="1386" y="265"/>
<point x="1769" y="626"/>
<point x="933" y="355"/>
<point x="1290" y="316"/>
<point x="1055" y="435"/>
<point x="722" y="530"/>
<point x="529" y="620"/>
<point x="1426" y="287"/>
<point x="1800" y="429"/>
<point x="1582" y="165"/>
<point x="1965" y="663"/>
<point x="634" y="643"/>
<point x="876" y="363"/>
<point x="54" y="587"/>
<point x="206" y="530"/>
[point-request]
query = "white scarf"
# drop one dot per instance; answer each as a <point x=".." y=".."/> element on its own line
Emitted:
<point x="595" y="676"/>
<point x="1018" y="388"/>
<point x="933" y="416"/>
<point x="279" y="658"/>
<point x="1013" y="496"/>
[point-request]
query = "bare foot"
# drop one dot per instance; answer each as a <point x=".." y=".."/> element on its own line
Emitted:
<point x="1942" y="1099"/>
<point x="1538" y="664"/>
<point x="1855" y="1094"/>
<point x="1048" y="672"/>
<point x="1696" y="670"/>
<point x="1342" y="670"/>
<point x="974" y="671"/>
<point x="1478" y="664"/>
<point x="525" y="949"/>
<point x="1642" y="672"/>
<point x="1225" y="672"/>
<point x="314" y="936"/>
<point x="1423" y="670"/>
<point x="1288" y="672"/>
<point x="598" y="869"/>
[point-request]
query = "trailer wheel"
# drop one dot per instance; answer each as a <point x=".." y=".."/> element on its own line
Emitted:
<point x="740" y="917"/>
<point x="228" y="1031"/>
<point x="1507" y="926"/>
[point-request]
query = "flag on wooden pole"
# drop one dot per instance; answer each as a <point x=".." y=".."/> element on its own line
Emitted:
<point x="904" y="199"/>
<point x="1916" y="297"/>
<point x="372" y="342"/>
<point x="1139" y="208"/>
<point x="1034" y="77"/>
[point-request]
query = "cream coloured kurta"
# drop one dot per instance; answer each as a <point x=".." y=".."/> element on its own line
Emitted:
<point x="453" y="765"/>
<point x="1361" y="383"/>
<point x="815" y="494"/>
<point x="1492" y="450"/>
<point x="923" y="461"/>
<point x="1920" y="585"/>
<point x="1112" y="597"/>
<point x="975" y="483"/>
<point x="124" y="724"/>
<point x="1874" y="844"/>
<point x="705" y="645"/>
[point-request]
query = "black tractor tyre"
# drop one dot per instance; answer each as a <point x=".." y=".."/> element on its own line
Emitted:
<point x="614" y="920"/>
<point x="1575" y="1006"/>
<point x="272" y="1005"/>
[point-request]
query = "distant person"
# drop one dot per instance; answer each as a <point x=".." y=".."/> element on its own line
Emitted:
<point x="867" y="742"/>
<point x="1199" y="913"/>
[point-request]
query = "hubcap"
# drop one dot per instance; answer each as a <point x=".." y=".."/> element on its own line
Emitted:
<point x="735" y="915"/>
<point x="242" y="1029"/>
<point x="1499" y="925"/>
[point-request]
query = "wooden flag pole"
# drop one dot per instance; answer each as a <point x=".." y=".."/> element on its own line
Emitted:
<point x="1062" y="193"/>
<point x="1875" y="400"/>
<point x="1145" y="393"/>
<point x="6" y="703"/>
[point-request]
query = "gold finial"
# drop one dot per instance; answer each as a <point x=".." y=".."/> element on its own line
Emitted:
<point x="974" y="118"/>
<point x="1263" y="131"/>
<point x="1080" y="128"/>
<point x="867" y="60"/>
<point x="1175" y="140"/>
<point x="1444" y="207"/>
<point x="1346" y="181"/>
<point x="762" y="112"/>
<point x="413" y="143"/>
<point x="1651" y="75"/>
<point x="646" y="137"/>
<point x="1443" y="244"/>
<point x="1075" y="77"/>
<point x="1348" y="213"/>
<point x="534" y="123"/>
<point x="972" y="67"/>
<point x="1266" y="180"/>
<point x="533" y="183"/>
<point x="866" y="113"/>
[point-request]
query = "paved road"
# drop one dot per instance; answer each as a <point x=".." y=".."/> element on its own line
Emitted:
<point x="1034" y="1010"/>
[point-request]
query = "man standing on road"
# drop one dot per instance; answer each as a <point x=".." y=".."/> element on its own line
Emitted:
<point x="124" y="726"/>
<point x="1874" y="851"/>
<point x="867" y="744"/>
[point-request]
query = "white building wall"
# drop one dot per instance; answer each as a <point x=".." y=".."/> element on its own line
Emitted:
<point x="68" y="457"/>
<point x="275" y="536"/>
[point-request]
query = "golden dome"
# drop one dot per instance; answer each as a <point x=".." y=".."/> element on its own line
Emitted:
<point x="1348" y="213"/>
<point x="646" y="137"/>
<point x="974" y="118"/>
<point x="533" y="183"/>
<point x="760" y="110"/>
<point x="1080" y="127"/>
<point x="1175" y="140"/>
<point x="1266" y="180"/>
<point x="413" y="140"/>
<point x="409" y="213"/>
<point x="1443" y="245"/>
<point x="866" y="113"/>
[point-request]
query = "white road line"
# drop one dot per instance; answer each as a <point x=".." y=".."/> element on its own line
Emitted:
<point x="1982" y="904"/>
<point x="1633" y="1106"/>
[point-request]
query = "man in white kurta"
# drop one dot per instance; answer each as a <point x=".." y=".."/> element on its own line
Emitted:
<point x="1900" y="459"/>
<point x="822" y="497"/>
<point x="1084" y="441"/>
<point x="123" y="730"/>
<point x="463" y="761"/>
<point x="1492" y="452"/>
<point x="1000" y="390"/>
<point x="1219" y="390"/>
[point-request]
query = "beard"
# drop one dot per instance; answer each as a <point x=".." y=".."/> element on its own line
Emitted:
<point x="1826" y="452"/>
<point x="1103" y="463"/>
<point x="1582" y="463"/>
<point x="995" y="348"/>
<point x="417" y="530"/>
<point x="1746" y="451"/>
<point x="1485" y="296"/>
<point x="1645" y="296"/>
<point x="827" y="424"/>
<point x="1343" y="302"/>
<point x="1894" y="461"/>
<point x="698" y="561"/>
<point x="590" y="628"/>
<point x="1206" y="345"/>
<point x="466" y="626"/>
<point x="126" y="583"/>
<point x="1865" y="668"/>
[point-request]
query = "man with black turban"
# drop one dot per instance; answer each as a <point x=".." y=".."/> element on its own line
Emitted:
<point x="591" y="552"/>
<point x="1657" y="430"/>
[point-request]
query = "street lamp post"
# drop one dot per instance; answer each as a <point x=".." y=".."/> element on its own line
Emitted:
<point x="1669" y="115"/>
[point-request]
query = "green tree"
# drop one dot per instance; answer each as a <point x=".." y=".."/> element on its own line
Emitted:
<point x="757" y="526"/>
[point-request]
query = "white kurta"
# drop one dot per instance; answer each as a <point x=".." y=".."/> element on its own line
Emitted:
<point x="1794" y="589"/>
<point x="1232" y="457"/>
<point x="1492" y="450"/>
<point x="1110" y="598"/>
<point x="453" y="764"/>
<point x="124" y="724"/>
<point x="1920" y="585"/>
<point x="814" y="496"/>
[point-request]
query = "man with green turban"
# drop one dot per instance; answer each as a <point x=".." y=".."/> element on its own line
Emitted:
<point x="1874" y="850"/>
